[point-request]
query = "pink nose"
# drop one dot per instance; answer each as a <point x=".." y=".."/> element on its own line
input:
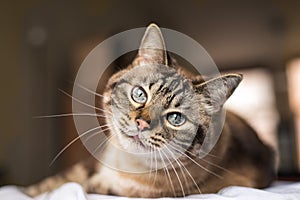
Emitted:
<point x="141" y="124"/>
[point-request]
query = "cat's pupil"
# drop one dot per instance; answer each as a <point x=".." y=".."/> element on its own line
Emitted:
<point x="175" y="119"/>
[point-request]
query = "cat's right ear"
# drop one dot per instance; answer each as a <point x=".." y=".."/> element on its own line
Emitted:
<point x="215" y="92"/>
<point x="152" y="49"/>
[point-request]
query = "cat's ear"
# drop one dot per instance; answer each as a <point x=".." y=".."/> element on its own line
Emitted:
<point x="152" y="49"/>
<point x="215" y="92"/>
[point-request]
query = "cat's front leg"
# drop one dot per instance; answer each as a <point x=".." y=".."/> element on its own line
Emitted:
<point x="97" y="184"/>
<point x="77" y="173"/>
<point x="47" y="185"/>
<point x="104" y="181"/>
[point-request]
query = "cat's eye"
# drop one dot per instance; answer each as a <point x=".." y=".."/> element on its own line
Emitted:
<point x="139" y="95"/>
<point x="175" y="118"/>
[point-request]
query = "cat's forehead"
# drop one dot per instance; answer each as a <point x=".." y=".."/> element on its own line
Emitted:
<point x="146" y="74"/>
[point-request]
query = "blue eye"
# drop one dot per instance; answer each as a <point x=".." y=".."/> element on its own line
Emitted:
<point x="139" y="95"/>
<point x="175" y="118"/>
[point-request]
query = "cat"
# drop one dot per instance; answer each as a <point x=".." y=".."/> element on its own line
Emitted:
<point x="156" y="108"/>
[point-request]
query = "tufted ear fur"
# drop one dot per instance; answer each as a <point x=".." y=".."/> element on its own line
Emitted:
<point x="152" y="49"/>
<point x="215" y="92"/>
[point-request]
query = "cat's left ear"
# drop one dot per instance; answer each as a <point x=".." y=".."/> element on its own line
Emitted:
<point x="215" y="92"/>
<point x="152" y="49"/>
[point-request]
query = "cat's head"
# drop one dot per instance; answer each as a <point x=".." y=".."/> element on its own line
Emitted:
<point x="153" y="105"/>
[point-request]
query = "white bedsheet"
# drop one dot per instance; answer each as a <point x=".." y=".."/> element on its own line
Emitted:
<point x="73" y="191"/>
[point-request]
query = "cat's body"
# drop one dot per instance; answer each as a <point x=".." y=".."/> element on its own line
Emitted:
<point x="167" y="115"/>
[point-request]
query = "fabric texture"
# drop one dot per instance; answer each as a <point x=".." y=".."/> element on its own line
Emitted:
<point x="73" y="191"/>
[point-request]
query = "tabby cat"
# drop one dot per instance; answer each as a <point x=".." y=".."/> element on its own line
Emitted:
<point x="155" y="109"/>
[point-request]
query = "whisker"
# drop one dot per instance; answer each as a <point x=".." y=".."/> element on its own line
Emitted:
<point x="155" y="175"/>
<point x="200" y="192"/>
<point x="218" y="166"/>
<point x="88" y="90"/>
<point x="83" y="103"/>
<point x="96" y="133"/>
<point x="68" y="115"/>
<point x="105" y="140"/>
<point x="150" y="173"/>
<point x="207" y="170"/>
<point x="181" y="164"/>
<point x="70" y="143"/>
<point x="211" y="163"/>
<point x="167" y="173"/>
<point x="214" y="156"/>
<point x="191" y="153"/>
<point x="178" y="178"/>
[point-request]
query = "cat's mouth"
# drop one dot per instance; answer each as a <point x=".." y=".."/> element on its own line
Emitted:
<point x="135" y="137"/>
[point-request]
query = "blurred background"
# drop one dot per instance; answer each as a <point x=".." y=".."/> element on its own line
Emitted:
<point x="43" y="43"/>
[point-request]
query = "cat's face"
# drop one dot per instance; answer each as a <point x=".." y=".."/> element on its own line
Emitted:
<point x="153" y="105"/>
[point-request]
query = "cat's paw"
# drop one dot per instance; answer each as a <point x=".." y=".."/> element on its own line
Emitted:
<point x="95" y="185"/>
<point x="31" y="191"/>
<point x="46" y="185"/>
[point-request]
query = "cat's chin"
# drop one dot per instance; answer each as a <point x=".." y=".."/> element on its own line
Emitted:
<point x="136" y="140"/>
<point x="133" y="144"/>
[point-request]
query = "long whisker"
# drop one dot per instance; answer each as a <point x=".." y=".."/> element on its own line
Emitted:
<point x="168" y="174"/>
<point x="207" y="170"/>
<point x="200" y="192"/>
<point x="105" y="140"/>
<point x="88" y="90"/>
<point x="70" y="143"/>
<point x="211" y="155"/>
<point x="69" y="114"/>
<point x="83" y="103"/>
<point x="151" y="163"/>
<point x="213" y="164"/>
<point x="217" y="166"/>
<point x="181" y="164"/>
<point x="96" y="133"/>
<point x="178" y="178"/>
<point x="191" y="153"/>
<point x="155" y="175"/>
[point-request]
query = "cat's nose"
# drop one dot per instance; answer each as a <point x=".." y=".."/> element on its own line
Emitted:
<point x="142" y="124"/>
